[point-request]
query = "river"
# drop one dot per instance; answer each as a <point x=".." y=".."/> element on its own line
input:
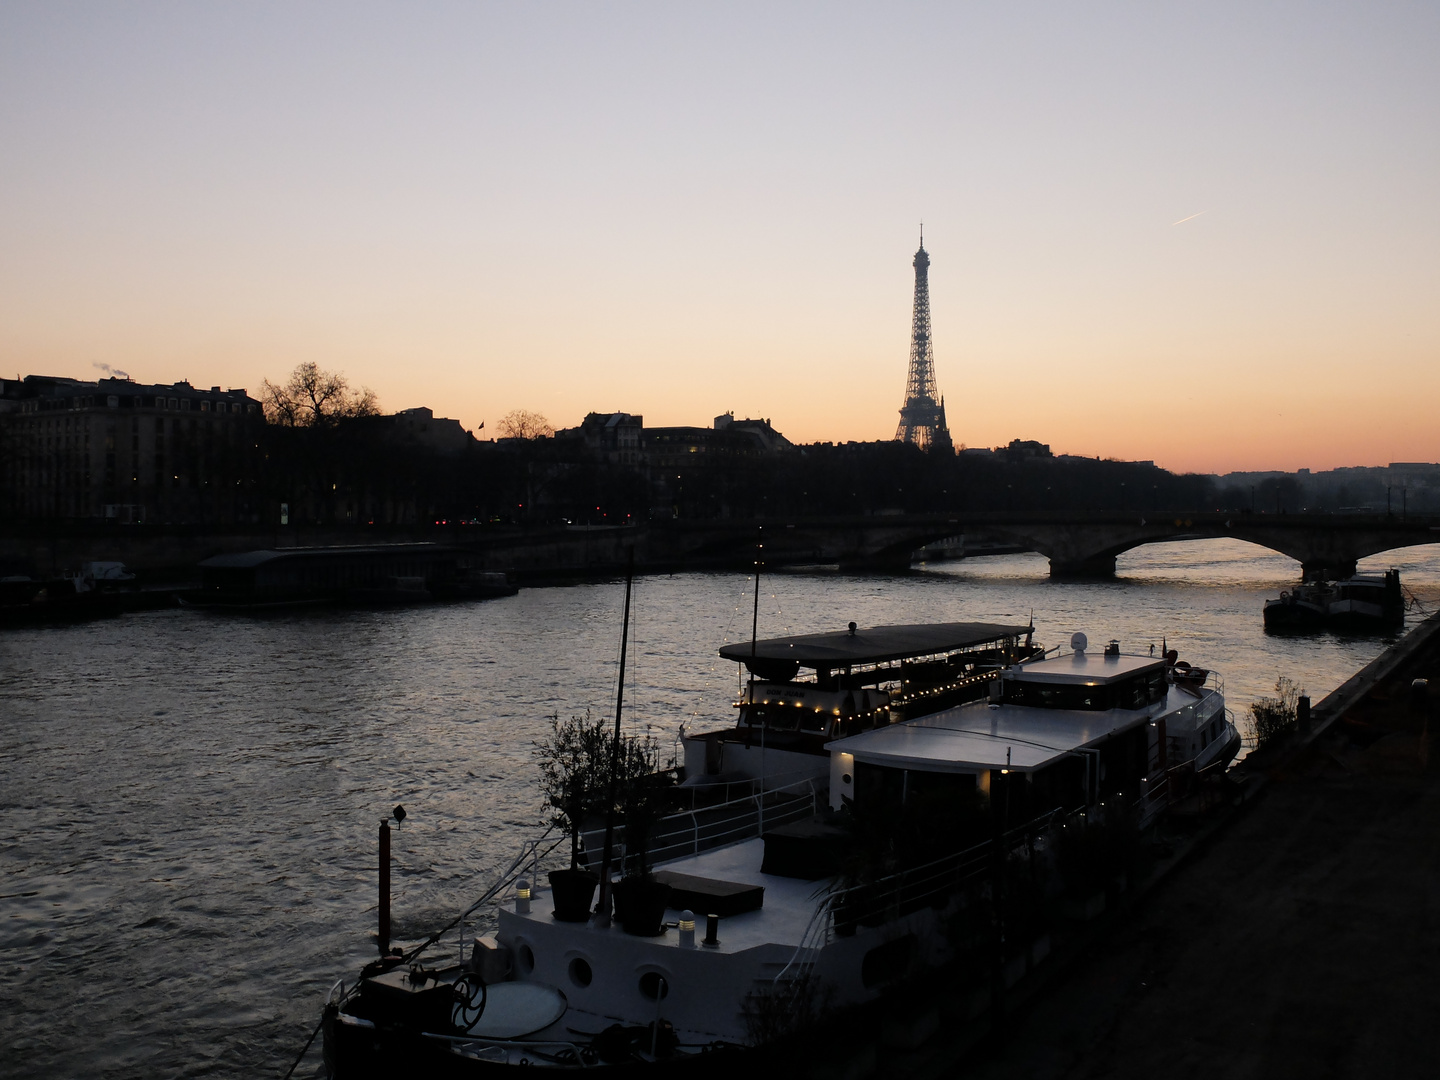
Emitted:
<point x="190" y="799"/>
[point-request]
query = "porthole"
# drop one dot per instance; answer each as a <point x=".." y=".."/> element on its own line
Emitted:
<point x="847" y="778"/>
<point x="580" y="973"/>
<point x="526" y="957"/>
<point x="653" y="986"/>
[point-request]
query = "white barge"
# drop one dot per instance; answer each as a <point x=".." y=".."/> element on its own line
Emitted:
<point x="942" y="843"/>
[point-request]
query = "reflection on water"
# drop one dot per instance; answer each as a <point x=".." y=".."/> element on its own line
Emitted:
<point x="191" y="798"/>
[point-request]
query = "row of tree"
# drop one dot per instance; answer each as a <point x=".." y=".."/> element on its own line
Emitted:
<point x="330" y="465"/>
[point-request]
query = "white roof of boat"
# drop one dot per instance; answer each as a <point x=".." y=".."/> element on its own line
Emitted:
<point x="973" y="737"/>
<point x="1086" y="668"/>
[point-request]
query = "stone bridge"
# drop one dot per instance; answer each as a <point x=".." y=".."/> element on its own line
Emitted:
<point x="1081" y="545"/>
<point x="1075" y="544"/>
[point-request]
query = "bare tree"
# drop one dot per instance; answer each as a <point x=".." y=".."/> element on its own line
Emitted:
<point x="524" y="424"/>
<point x="314" y="398"/>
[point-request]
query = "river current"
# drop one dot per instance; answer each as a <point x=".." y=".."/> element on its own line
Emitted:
<point x="190" y="799"/>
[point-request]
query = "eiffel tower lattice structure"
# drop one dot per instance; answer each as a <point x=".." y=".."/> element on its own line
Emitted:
<point x="922" y="417"/>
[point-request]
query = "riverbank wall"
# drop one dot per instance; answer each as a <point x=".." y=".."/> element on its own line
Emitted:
<point x="161" y="553"/>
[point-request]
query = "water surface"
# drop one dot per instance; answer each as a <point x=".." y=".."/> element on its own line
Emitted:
<point x="191" y="798"/>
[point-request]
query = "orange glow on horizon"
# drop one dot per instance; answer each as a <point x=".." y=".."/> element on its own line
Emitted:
<point x="668" y="212"/>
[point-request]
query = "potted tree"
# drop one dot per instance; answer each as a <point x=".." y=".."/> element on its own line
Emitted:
<point x="645" y="795"/>
<point x="574" y="771"/>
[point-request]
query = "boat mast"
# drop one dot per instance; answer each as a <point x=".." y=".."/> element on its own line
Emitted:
<point x="754" y="628"/>
<point x="602" y="907"/>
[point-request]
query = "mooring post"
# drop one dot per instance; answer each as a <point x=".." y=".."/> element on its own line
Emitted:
<point x="384" y="928"/>
<point x="1302" y="714"/>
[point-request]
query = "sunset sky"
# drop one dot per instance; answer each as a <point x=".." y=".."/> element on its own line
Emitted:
<point x="1207" y="235"/>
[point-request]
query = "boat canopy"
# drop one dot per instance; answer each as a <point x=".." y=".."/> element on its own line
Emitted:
<point x="872" y="645"/>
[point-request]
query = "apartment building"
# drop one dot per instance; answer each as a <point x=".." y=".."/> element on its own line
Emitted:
<point x="125" y="451"/>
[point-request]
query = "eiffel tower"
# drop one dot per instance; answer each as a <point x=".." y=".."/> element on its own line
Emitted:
<point x="922" y="417"/>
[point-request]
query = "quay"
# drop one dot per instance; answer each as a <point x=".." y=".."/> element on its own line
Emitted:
<point x="1295" y="938"/>
<point x="1077" y="544"/>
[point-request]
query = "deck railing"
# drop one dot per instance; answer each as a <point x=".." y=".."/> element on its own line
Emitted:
<point x="841" y="912"/>
<point x="703" y="828"/>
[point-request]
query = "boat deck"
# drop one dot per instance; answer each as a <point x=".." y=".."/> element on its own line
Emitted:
<point x="789" y="902"/>
<point x="603" y="971"/>
<point x="781" y="920"/>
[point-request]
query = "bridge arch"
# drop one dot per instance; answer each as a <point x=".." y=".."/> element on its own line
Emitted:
<point x="1323" y="548"/>
<point x="1076" y="544"/>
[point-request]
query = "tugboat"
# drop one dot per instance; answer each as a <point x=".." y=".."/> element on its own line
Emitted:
<point x="1361" y="602"/>
<point x="930" y="857"/>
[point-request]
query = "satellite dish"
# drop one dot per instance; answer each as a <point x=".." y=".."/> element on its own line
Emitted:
<point x="1078" y="641"/>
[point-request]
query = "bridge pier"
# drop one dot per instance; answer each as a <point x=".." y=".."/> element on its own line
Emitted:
<point x="1327" y="569"/>
<point x="1092" y="566"/>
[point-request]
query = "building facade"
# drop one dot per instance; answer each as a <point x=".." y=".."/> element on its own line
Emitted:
<point x="610" y="437"/>
<point x="117" y="450"/>
<point x="420" y="427"/>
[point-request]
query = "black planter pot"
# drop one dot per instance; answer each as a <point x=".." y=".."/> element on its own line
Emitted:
<point x="640" y="905"/>
<point x="573" y="891"/>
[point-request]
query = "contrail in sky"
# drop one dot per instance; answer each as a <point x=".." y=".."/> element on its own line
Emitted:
<point x="1192" y="217"/>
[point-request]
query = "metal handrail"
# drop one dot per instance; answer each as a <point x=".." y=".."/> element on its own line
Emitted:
<point x="912" y="886"/>
<point x="732" y="821"/>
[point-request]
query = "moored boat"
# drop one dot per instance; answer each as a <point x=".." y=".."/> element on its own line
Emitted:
<point x="1359" y="602"/>
<point x="939" y="844"/>
<point x="379" y="574"/>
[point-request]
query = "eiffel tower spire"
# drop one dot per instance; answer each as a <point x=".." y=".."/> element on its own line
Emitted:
<point x="922" y="417"/>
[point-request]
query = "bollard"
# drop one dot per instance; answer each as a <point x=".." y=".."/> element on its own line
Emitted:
<point x="712" y="930"/>
<point x="522" y="897"/>
<point x="1419" y="694"/>
<point x="687" y="929"/>
<point x="384" y="887"/>
<point x="1302" y="714"/>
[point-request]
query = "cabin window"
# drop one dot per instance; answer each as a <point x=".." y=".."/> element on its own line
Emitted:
<point x="888" y="790"/>
<point x="1135" y="692"/>
<point x="879" y="788"/>
<point x="1131" y="694"/>
<point x="580" y="973"/>
<point x="946" y="790"/>
<point x="785" y="716"/>
<point x="1058" y="696"/>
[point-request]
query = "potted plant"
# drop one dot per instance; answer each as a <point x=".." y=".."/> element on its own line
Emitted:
<point x="645" y="795"/>
<point x="574" y="771"/>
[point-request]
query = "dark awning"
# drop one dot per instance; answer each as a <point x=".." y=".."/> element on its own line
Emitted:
<point x="872" y="645"/>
